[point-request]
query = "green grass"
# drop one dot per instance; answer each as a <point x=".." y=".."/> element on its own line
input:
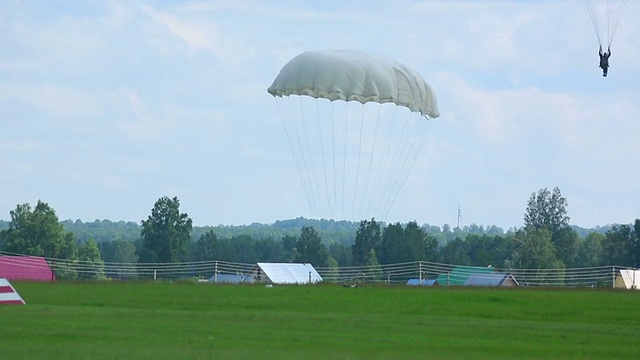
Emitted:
<point x="186" y="321"/>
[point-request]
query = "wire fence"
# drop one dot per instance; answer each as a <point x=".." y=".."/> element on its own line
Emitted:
<point x="400" y="273"/>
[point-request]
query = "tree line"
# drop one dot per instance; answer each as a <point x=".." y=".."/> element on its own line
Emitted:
<point x="546" y="241"/>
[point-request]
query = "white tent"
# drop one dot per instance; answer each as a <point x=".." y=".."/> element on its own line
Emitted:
<point x="285" y="273"/>
<point x="628" y="279"/>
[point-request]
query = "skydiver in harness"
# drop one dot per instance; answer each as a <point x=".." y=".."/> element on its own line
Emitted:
<point x="604" y="60"/>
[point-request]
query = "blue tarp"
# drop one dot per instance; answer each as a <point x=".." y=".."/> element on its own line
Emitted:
<point x="491" y="279"/>
<point x="232" y="279"/>
<point x="423" y="282"/>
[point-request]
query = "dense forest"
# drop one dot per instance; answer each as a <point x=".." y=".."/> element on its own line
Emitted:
<point x="331" y="231"/>
<point x="545" y="241"/>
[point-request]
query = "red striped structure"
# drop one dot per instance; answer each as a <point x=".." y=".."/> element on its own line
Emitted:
<point x="9" y="295"/>
<point x="32" y="268"/>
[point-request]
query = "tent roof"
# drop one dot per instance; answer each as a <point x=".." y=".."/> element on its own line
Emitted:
<point x="289" y="273"/>
<point x="33" y="268"/>
<point x="488" y="279"/>
<point x="460" y="274"/>
<point x="8" y="294"/>
<point x="424" y="282"/>
<point x="629" y="279"/>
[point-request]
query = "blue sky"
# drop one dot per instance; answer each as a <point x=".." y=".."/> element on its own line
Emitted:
<point x="107" y="106"/>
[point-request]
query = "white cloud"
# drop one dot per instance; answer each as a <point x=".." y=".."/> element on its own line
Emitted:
<point x="55" y="101"/>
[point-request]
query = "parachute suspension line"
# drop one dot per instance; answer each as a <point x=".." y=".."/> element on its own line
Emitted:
<point x="333" y="154"/>
<point x="344" y="159"/>
<point x="355" y="186"/>
<point x="414" y="152"/>
<point x="399" y="165"/>
<point x="309" y="154"/>
<point x="615" y="17"/>
<point x="383" y="175"/>
<point x="374" y="146"/>
<point x="322" y="155"/>
<point x="594" y="20"/>
<point x="287" y="120"/>
<point x="302" y="136"/>
<point x="605" y="17"/>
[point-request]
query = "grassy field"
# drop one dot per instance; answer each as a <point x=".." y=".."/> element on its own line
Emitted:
<point x="186" y="321"/>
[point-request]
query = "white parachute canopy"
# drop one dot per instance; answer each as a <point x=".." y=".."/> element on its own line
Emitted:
<point x="355" y="124"/>
<point x="605" y="16"/>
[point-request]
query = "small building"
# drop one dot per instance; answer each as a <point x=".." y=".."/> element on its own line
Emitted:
<point x="459" y="275"/>
<point x="421" y="282"/>
<point x="232" y="279"/>
<point x="628" y="279"/>
<point x="285" y="273"/>
<point x="491" y="279"/>
<point x="33" y="268"/>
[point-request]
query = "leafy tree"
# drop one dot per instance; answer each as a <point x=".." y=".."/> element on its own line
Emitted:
<point x="207" y="248"/>
<point x="373" y="270"/>
<point x="227" y="252"/>
<point x="425" y="245"/>
<point x="67" y="250"/>
<point x="480" y="250"/>
<point x="534" y="250"/>
<point x="122" y="252"/>
<point x="91" y="264"/>
<point x="621" y="245"/>
<point x="455" y="252"/>
<point x="34" y="232"/>
<point x="635" y="244"/>
<point x="333" y="270"/>
<point x="410" y="243"/>
<point x="165" y="233"/>
<point x="392" y="247"/>
<point x="368" y="237"/>
<point x="243" y="247"/>
<point x="309" y="247"/>
<point x="37" y="232"/>
<point x="547" y="209"/>
<point x="501" y="249"/>
<point x="340" y="253"/>
<point x="269" y="250"/>
<point x="566" y="242"/>
<point x="590" y="250"/>
<point x="289" y="245"/>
